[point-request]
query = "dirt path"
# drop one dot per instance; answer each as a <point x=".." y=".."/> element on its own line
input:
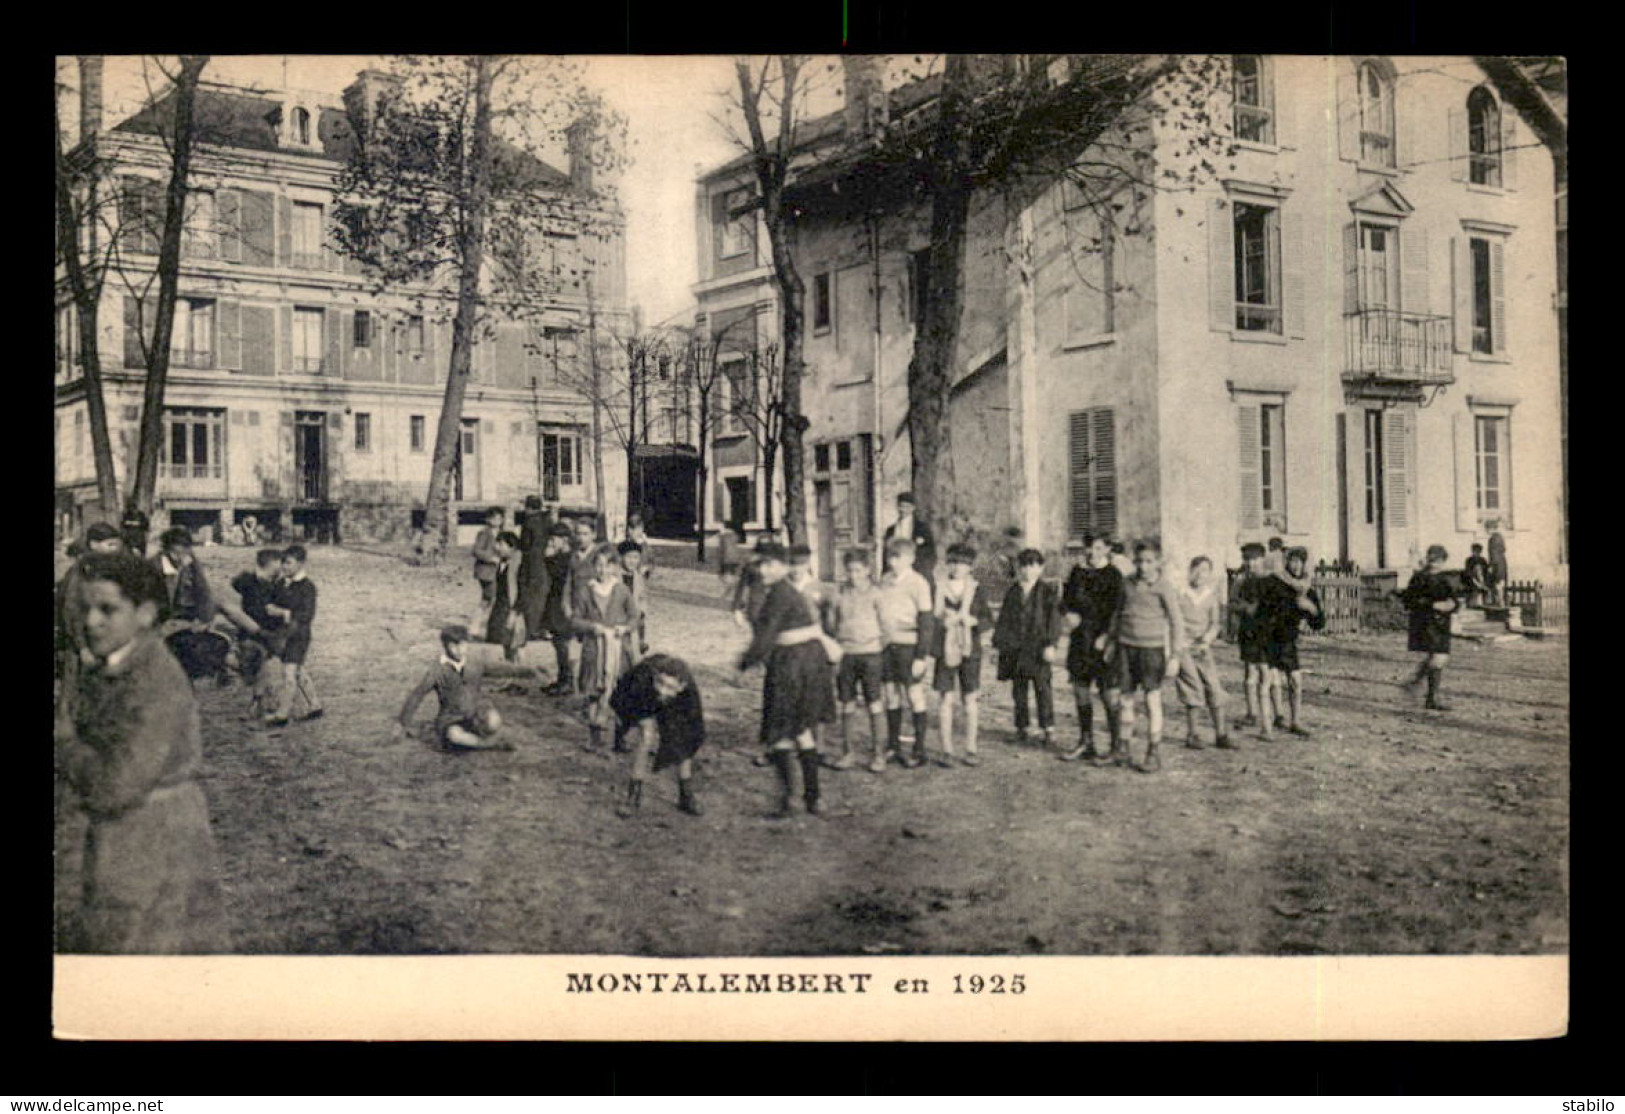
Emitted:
<point x="1387" y="832"/>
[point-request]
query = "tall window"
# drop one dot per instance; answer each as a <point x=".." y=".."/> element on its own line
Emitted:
<point x="414" y="336"/>
<point x="564" y="260"/>
<point x="1262" y="439"/>
<point x="1379" y="267"/>
<point x="307" y="340"/>
<point x="301" y="126"/>
<point x="192" y="446"/>
<point x="736" y="395"/>
<point x="1483" y="296"/>
<point x="561" y="462"/>
<point x="307" y="235"/>
<point x="821" y="301"/>
<point x="415" y="424"/>
<point x="1088" y="265"/>
<point x="1258" y="267"/>
<point x="191" y="343"/>
<point x="67" y="341"/>
<point x="1483" y="138"/>
<point x="362" y="329"/>
<point x="1373" y="463"/>
<point x="734" y="235"/>
<point x="1490" y="464"/>
<point x="1255" y="115"/>
<point x="363" y="433"/>
<point x="1376" y="116"/>
<point x="200" y="238"/>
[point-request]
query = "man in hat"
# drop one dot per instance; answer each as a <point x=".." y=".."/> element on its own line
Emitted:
<point x="912" y="529"/>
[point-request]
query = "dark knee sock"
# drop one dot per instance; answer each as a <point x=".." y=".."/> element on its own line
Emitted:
<point x="1086" y="716"/>
<point x="894" y="727"/>
<point x="1434" y="675"/>
<point x="783" y="765"/>
<point x="920" y="723"/>
<point x="809" y="775"/>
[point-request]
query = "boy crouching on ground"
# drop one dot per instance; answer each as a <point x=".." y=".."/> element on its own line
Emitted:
<point x="467" y="721"/>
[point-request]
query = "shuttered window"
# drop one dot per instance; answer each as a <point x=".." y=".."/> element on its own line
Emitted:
<point x="1092" y="454"/>
<point x="1261" y="438"/>
<point x="1254" y="98"/>
<point x="1490" y="465"/>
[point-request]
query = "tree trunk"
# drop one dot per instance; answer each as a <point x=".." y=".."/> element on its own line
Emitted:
<point x="471" y="252"/>
<point x="703" y="473"/>
<point x="931" y="367"/>
<point x="86" y="289"/>
<point x="769" y="467"/>
<point x="169" y="262"/>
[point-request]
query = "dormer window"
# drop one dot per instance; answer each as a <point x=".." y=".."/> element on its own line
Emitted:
<point x="1376" y="93"/>
<point x="1483" y="138"/>
<point x="299" y="122"/>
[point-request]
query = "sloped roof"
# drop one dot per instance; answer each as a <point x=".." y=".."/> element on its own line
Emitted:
<point x="244" y="120"/>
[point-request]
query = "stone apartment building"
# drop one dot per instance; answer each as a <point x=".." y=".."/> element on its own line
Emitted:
<point x="1345" y="336"/>
<point x="298" y="391"/>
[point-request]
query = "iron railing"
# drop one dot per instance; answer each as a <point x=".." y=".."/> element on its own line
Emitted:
<point x="1392" y="345"/>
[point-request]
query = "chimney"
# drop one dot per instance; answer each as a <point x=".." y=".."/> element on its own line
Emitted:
<point x="865" y="88"/>
<point x="578" y="140"/>
<point x="90" y="96"/>
<point x="364" y="95"/>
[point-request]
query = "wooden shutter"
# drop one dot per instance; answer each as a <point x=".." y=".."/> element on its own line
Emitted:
<point x="286" y="344"/>
<point x="258" y="228"/>
<point x="228" y="332"/>
<point x="286" y="458"/>
<point x="1103" y="513"/>
<point x="258" y="342"/>
<point x="1509" y="147"/>
<point x="133" y="355"/>
<point x="1280" y="115"/>
<point x="1498" y="298"/>
<point x="1414" y="272"/>
<point x="1290" y="223"/>
<point x="1348" y="117"/>
<point x="1459" y="157"/>
<point x="1461" y="288"/>
<point x="1466" y="474"/>
<point x="1081" y="490"/>
<point x="332" y="343"/>
<point x="229" y="220"/>
<point x="1352" y="298"/>
<point x="131" y="213"/>
<point x="1398" y="449"/>
<point x="1507" y="522"/>
<point x="1221" y="269"/>
<point x="343" y="330"/>
<point x="1407" y="129"/>
<point x="1251" y="505"/>
<point x="284" y="230"/>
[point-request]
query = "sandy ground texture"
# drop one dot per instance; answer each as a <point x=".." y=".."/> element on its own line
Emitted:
<point x="1392" y="830"/>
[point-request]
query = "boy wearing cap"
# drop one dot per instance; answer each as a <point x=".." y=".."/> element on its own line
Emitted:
<point x="1282" y="652"/>
<point x="467" y="720"/>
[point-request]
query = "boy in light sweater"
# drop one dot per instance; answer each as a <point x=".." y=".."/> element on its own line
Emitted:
<point x="906" y="616"/>
<point x="854" y="617"/>
<point x="1150" y="641"/>
<point x="1198" y="681"/>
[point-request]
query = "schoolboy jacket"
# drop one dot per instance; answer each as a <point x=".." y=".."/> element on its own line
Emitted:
<point x="1028" y="622"/>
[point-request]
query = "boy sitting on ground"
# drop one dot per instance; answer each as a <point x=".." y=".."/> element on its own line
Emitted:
<point x="467" y="720"/>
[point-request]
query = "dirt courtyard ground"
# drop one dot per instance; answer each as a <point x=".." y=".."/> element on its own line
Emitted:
<point x="1390" y="831"/>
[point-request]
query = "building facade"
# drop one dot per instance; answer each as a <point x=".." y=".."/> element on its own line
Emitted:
<point x="1343" y="335"/>
<point x="300" y="391"/>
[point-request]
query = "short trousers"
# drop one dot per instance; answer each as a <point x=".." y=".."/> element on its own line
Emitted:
<point x="1254" y="652"/>
<point x="474" y="724"/>
<point x="968" y="673"/>
<point x="1141" y="667"/>
<point x="1284" y="656"/>
<point x="1198" y="679"/>
<point x="897" y="664"/>
<point x="858" y="671"/>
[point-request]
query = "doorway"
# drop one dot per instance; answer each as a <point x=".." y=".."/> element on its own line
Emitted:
<point x="466" y="469"/>
<point x="741" y="504"/>
<point x="1366" y="505"/>
<point x="824" y="503"/>
<point x="310" y="455"/>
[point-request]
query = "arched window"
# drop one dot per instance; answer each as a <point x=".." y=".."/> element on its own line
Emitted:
<point x="1483" y="138"/>
<point x="1376" y="115"/>
<point x="301" y="126"/>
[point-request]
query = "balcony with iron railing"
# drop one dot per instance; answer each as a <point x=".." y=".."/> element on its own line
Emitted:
<point x="1392" y="346"/>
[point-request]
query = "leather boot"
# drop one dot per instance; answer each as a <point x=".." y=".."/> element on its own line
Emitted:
<point x="809" y="781"/>
<point x="685" y="797"/>
<point x="783" y="765"/>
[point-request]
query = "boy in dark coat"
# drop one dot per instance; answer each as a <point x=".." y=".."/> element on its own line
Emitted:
<point x="259" y="652"/>
<point x="1283" y="653"/>
<point x="294" y="601"/>
<point x="555" y="620"/>
<point x="467" y="720"/>
<point x="658" y="699"/>
<point x="505" y="625"/>
<point x="1430" y="598"/>
<point x="1093" y="593"/>
<point x="1028" y="628"/>
<point x="1260" y="600"/>
<point x="962" y="614"/>
<point x="128" y="744"/>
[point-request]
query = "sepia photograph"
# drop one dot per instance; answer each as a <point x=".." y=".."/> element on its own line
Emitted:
<point x="663" y="509"/>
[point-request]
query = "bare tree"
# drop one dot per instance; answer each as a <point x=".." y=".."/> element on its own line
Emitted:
<point x="777" y="86"/>
<point x="178" y="139"/>
<point x="704" y="372"/>
<point x="759" y="402"/>
<point x="444" y="182"/>
<point x="79" y="246"/>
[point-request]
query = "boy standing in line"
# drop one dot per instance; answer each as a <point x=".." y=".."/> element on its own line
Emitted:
<point x="485" y="559"/>
<point x="1283" y="655"/>
<point x="1431" y="599"/>
<point x="1198" y="681"/>
<point x="905" y="600"/>
<point x="1148" y="622"/>
<point x="293" y="600"/>
<point x="1029" y="625"/>
<point x="857" y="616"/>
<point x="557" y="621"/>
<point x="1093" y="593"/>
<point x="962" y="614"/>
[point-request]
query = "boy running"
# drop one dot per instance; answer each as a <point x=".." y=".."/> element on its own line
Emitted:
<point x="1431" y="599"/>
